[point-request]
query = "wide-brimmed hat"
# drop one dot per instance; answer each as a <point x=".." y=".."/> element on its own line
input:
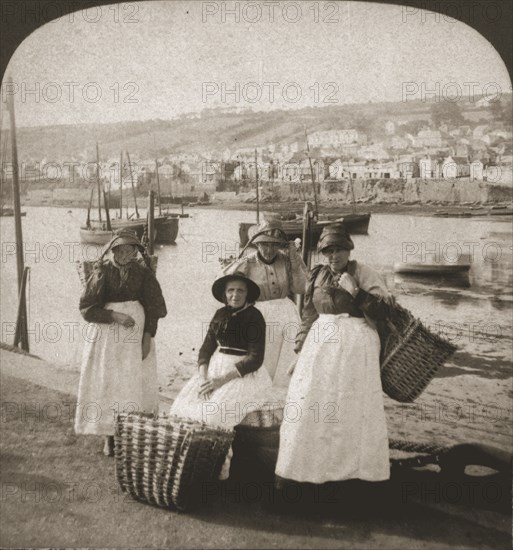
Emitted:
<point x="219" y="286"/>
<point x="267" y="231"/>
<point x="335" y="234"/>
<point x="124" y="236"/>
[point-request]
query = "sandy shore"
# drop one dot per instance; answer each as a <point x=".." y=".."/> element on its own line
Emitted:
<point x="64" y="493"/>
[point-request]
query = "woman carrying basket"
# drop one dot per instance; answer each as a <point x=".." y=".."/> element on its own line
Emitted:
<point x="230" y="382"/>
<point x="334" y="425"/>
<point x="279" y="271"/>
<point x="123" y="300"/>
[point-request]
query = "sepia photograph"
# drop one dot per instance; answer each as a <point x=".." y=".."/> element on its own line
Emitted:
<point x="256" y="274"/>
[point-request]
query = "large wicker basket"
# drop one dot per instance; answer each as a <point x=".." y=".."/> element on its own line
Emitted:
<point x="411" y="355"/>
<point x="167" y="460"/>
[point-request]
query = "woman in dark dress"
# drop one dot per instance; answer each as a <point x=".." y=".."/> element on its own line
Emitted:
<point x="123" y="302"/>
<point x="230" y="382"/>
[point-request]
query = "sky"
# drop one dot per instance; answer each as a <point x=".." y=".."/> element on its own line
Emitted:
<point x="147" y="60"/>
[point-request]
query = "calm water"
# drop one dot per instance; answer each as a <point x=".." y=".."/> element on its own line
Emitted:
<point x="476" y="314"/>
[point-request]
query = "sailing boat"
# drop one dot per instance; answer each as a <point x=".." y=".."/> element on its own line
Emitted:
<point x="97" y="231"/>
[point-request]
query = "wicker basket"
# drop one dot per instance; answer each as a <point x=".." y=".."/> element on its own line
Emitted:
<point x="411" y="356"/>
<point x="85" y="268"/>
<point x="166" y="460"/>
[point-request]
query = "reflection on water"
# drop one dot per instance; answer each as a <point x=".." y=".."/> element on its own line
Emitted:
<point x="478" y="308"/>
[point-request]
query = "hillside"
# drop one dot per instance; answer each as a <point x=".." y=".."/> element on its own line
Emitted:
<point x="218" y="129"/>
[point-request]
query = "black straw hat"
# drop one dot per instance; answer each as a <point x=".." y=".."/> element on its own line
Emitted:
<point x="219" y="286"/>
<point x="123" y="236"/>
<point x="335" y="234"/>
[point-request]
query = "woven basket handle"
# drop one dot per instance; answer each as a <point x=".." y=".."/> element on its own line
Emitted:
<point x="186" y="439"/>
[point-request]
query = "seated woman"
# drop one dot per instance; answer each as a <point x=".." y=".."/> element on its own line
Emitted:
<point x="230" y="382"/>
<point x="339" y="428"/>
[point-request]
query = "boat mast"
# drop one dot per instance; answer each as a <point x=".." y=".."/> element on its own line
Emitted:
<point x="312" y="174"/>
<point x="132" y="183"/>
<point x="88" y="221"/>
<point x="158" y="186"/>
<point x="352" y="190"/>
<point x="257" y="194"/>
<point x="105" y="200"/>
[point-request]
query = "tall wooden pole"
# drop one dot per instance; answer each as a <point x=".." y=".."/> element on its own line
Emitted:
<point x="151" y="222"/>
<point x="306" y="246"/>
<point x="98" y="187"/>
<point x="105" y="199"/>
<point x="17" y="223"/>
<point x="121" y="185"/>
<point x="16" y="189"/>
<point x="132" y="183"/>
<point x="158" y="185"/>
<point x="257" y="192"/>
<point x="312" y="174"/>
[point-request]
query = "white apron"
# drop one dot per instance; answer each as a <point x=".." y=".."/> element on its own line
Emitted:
<point x="229" y="404"/>
<point x="334" y="425"/>
<point x="282" y="324"/>
<point x="113" y="377"/>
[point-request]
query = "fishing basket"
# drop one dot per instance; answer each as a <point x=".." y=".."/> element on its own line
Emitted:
<point x="167" y="460"/>
<point x="84" y="268"/>
<point x="410" y="355"/>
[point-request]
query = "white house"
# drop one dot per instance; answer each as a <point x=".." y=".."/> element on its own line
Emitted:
<point x="476" y="170"/>
<point x="335" y="138"/>
<point x="455" y="167"/>
<point x="429" y="138"/>
<point x="429" y="167"/>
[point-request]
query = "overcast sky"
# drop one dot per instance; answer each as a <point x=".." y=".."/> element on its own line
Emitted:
<point x="162" y="59"/>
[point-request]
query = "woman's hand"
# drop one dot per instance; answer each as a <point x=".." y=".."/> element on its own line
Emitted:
<point x="123" y="319"/>
<point x="146" y="345"/>
<point x="210" y="385"/>
<point x="292" y="366"/>
<point x="348" y="283"/>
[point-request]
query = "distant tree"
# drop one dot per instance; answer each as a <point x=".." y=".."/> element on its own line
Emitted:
<point x="412" y="127"/>
<point x="496" y="110"/>
<point x="446" y="111"/>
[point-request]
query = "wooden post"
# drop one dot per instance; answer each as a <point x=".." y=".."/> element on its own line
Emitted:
<point x="257" y="192"/>
<point x="121" y="185"/>
<point x="88" y="220"/>
<point x="158" y="186"/>
<point x="107" y="214"/>
<point x="98" y="184"/>
<point x="132" y="183"/>
<point x="22" y="311"/>
<point x="20" y="333"/>
<point x="151" y="223"/>
<point x="16" y="189"/>
<point x="312" y="174"/>
<point x="306" y="246"/>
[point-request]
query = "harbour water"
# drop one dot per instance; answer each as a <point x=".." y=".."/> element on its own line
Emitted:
<point x="476" y="313"/>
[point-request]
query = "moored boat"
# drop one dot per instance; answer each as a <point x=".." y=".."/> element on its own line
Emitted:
<point x="431" y="268"/>
<point x="357" y="224"/>
<point x="6" y="212"/>
<point x="166" y="229"/>
<point x="433" y="264"/>
<point x="95" y="235"/>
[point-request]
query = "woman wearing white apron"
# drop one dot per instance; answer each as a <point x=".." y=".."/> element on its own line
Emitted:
<point x="279" y="271"/>
<point x="123" y="302"/>
<point x="334" y="425"/>
<point x="230" y="382"/>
